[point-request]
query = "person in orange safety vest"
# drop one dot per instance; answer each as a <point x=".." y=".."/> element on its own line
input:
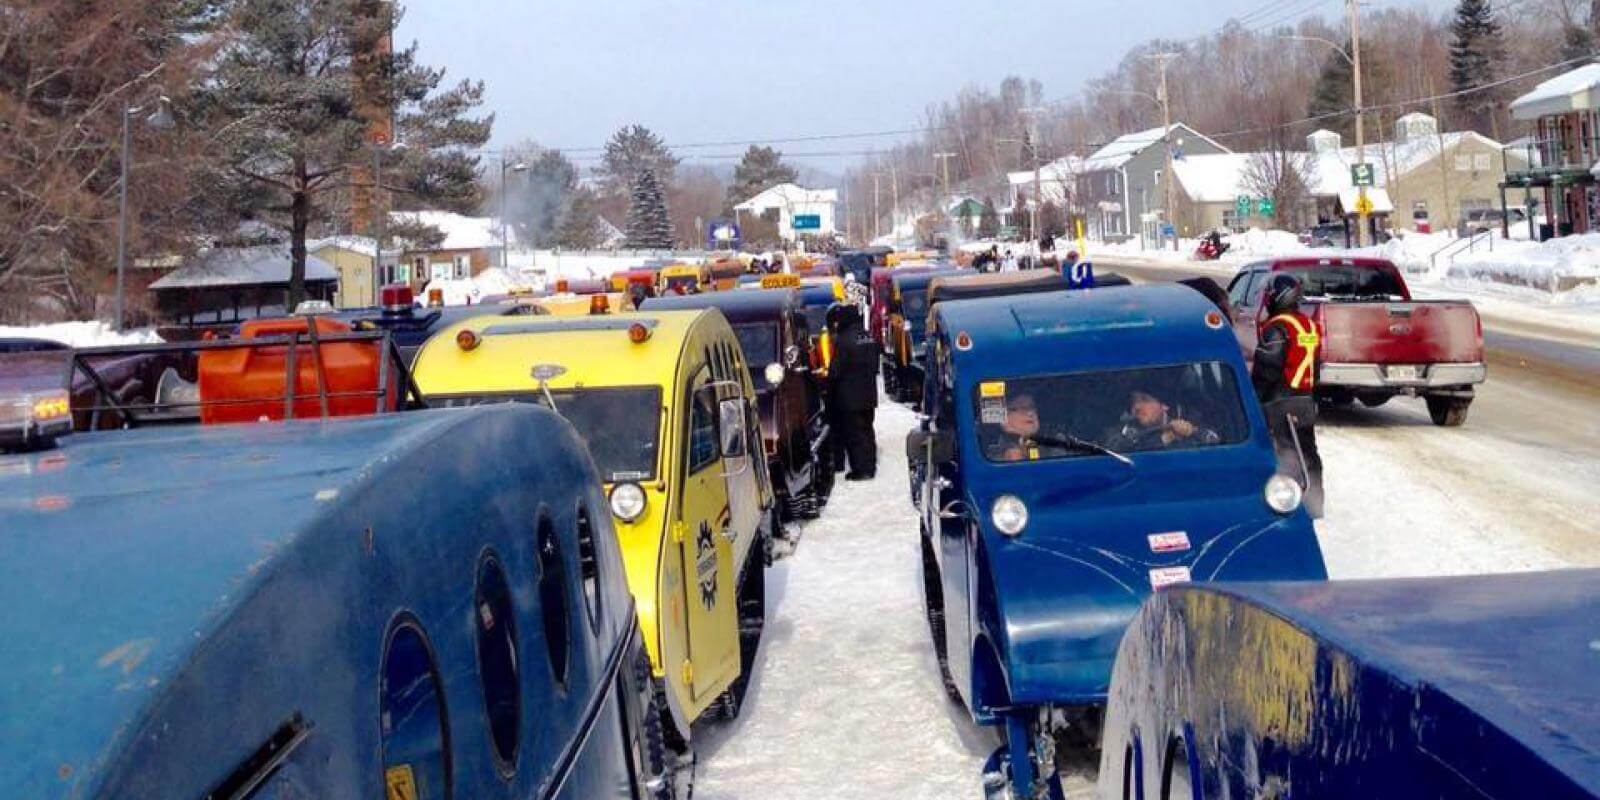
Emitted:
<point x="1285" y="375"/>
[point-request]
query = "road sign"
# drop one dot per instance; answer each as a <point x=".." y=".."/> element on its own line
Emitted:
<point x="1265" y="206"/>
<point x="721" y="232"/>
<point x="1361" y="175"/>
<point x="1241" y="205"/>
<point x="1364" y="205"/>
<point x="1168" y="231"/>
<point x="808" y="222"/>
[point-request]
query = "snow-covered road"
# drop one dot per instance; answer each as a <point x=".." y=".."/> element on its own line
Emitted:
<point x="846" y="702"/>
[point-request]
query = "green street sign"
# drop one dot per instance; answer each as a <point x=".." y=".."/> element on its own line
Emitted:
<point x="1362" y="175"/>
<point x="1241" y="205"/>
<point x="808" y="222"/>
<point x="1265" y="207"/>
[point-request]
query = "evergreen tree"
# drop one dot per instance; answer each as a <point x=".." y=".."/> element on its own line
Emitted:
<point x="1334" y="93"/>
<point x="761" y="169"/>
<point x="580" y="225"/>
<point x="649" y="225"/>
<point x="988" y="221"/>
<point x="283" y="100"/>
<point x="631" y="151"/>
<point x="1477" y="49"/>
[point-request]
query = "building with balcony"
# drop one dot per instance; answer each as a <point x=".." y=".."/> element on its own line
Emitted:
<point x="1557" y="164"/>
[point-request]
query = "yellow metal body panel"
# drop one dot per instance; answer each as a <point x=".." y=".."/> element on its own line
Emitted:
<point x="683" y="582"/>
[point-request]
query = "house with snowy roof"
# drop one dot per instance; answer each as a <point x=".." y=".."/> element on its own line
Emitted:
<point x="470" y="246"/>
<point x="1122" y="187"/>
<point x="1558" y="165"/>
<point x="224" y="285"/>
<point x="784" y="202"/>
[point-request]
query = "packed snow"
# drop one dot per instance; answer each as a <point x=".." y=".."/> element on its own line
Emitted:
<point x="81" y="334"/>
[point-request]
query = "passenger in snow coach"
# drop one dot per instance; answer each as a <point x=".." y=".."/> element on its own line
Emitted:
<point x="1149" y="424"/>
<point x="853" y="390"/>
<point x="1285" y="374"/>
<point x="1015" y="440"/>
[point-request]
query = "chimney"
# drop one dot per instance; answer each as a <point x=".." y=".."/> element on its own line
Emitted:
<point x="1324" y="141"/>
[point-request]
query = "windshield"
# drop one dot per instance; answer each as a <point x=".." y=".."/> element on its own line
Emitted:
<point x="816" y="320"/>
<point x="1084" y="414"/>
<point x="621" y="425"/>
<point x="687" y="283"/>
<point x="1347" y="281"/>
<point x="758" y="342"/>
<point x="914" y="305"/>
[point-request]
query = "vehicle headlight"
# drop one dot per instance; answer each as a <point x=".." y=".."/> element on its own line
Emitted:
<point x="774" y="373"/>
<point x="1282" y="494"/>
<point x="1009" y="514"/>
<point x="627" y="501"/>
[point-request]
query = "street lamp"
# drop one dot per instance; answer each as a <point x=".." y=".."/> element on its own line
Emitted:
<point x="160" y="120"/>
<point x="1354" y="60"/>
<point x="520" y="166"/>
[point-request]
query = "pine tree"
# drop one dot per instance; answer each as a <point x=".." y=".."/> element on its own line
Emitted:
<point x="284" y="102"/>
<point x="761" y="169"/>
<point x="1334" y="94"/>
<point x="1477" y="50"/>
<point x="580" y="224"/>
<point x="649" y="225"/>
<point x="988" y="221"/>
<point x="631" y="151"/>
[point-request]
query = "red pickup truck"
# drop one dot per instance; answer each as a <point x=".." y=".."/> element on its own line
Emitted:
<point x="1377" y="342"/>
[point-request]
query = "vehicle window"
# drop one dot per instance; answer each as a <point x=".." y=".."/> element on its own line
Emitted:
<point x="589" y="566"/>
<point x="621" y="425"/>
<point x="816" y="319"/>
<point x="702" y="429"/>
<point x="759" y="341"/>
<point x="1347" y="281"/>
<point x="1258" y="287"/>
<point x="1239" y="287"/>
<point x="1077" y="415"/>
<point x="553" y="599"/>
<point x="411" y="714"/>
<point x="914" y="305"/>
<point x="497" y="662"/>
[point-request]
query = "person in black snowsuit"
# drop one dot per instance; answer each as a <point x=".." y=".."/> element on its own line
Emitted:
<point x="1284" y="375"/>
<point x="853" y="390"/>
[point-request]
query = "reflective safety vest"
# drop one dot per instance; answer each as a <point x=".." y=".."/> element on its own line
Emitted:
<point x="1300" y="363"/>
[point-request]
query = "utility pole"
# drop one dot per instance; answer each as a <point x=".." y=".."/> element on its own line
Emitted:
<point x="1354" y="7"/>
<point x="944" y="162"/>
<point x="876" y="216"/>
<point x="1166" y="143"/>
<point x="894" y="188"/>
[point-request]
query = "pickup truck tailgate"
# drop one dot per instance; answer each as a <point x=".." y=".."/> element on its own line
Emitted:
<point x="1429" y="332"/>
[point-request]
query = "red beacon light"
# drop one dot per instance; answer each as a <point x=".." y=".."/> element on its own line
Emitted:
<point x="562" y="287"/>
<point x="397" y="298"/>
<point x="638" y="333"/>
<point x="599" y="304"/>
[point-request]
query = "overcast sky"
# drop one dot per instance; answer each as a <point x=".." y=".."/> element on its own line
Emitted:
<point x="567" y="74"/>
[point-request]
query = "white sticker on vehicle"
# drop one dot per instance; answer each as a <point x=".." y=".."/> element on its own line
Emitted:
<point x="1166" y="576"/>
<point x="1169" y="542"/>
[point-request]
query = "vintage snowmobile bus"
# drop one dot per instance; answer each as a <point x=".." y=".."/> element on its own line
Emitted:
<point x="665" y="403"/>
<point x="288" y="609"/>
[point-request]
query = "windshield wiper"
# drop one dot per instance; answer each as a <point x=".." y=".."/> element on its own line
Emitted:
<point x="1082" y="445"/>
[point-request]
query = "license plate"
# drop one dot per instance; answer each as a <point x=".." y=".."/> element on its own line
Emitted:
<point x="1166" y="576"/>
<point x="1404" y="372"/>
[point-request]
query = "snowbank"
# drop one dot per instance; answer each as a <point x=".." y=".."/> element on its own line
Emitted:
<point x="1258" y="243"/>
<point x="1556" y="266"/>
<point x="491" y="281"/>
<point x="81" y="334"/>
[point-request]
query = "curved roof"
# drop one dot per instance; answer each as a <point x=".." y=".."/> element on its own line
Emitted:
<point x="594" y="350"/>
<point x="740" y="306"/>
<point x="963" y="287"/>
<point x="1108" y="328"/>
<point x="920" y="279"/>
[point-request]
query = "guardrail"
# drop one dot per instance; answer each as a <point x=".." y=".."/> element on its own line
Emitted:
<point x="1463" y="245"/>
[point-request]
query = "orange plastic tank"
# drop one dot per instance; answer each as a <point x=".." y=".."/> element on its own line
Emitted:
<point x="257" y="373"/>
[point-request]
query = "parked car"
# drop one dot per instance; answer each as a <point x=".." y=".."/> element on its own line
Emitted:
<point x="1328" y="234"/>
<point x="1478" y="220"/>
<point x="776" y="351"/>
<point x="300" y="611"/>
<point x="1462" y="687"/>
<point x="1377" y="342"/>
<point x="666" y="405"/>
<point x="1081" y="450"/>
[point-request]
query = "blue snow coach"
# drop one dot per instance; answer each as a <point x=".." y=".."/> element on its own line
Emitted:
<point x="1079" y="451"/>
<point x="1466" y="687"/>
<point x="427" y="604"/>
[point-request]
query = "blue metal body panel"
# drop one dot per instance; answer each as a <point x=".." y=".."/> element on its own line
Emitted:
<point x="1035" y="619"/>
<point x="1476" y="687"/>
<point x="175" y="594"/>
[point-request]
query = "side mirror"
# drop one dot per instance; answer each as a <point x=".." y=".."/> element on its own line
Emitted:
<point x="733" y="427"/>
<point x="943" y="444"/>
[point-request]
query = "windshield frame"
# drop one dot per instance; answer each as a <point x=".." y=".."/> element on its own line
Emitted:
<point x="533" y="396"/>
<point x="971" y="416"/>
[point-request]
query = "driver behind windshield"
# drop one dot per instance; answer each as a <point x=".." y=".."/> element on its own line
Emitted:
<point x="1149" y="424"/>
<point x="1015" y="439"/>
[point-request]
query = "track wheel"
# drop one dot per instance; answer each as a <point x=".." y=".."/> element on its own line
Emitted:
<point x="933" y="604"/>
<point x="664" y="762"/>
<point x="752" y="621"/>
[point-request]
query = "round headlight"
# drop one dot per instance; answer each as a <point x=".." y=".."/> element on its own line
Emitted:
<point x="774" y="373"/>
<point x="1009" y="514"/>
<point x="627" y="501"/>
<point x="1282" y="494"/>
